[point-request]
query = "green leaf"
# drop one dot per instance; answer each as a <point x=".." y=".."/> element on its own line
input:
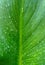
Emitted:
<point x="22" y="32"/>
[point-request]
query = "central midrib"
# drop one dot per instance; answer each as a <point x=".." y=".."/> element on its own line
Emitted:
<point x="20" y="33"/>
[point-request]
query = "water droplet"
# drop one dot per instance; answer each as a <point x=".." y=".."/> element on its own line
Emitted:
<point x="5" y="32"/>
<point x="0" y="17"/>
<point x="40" y="53"/>
<point x="43" y="50"/>
<point x="28" y="55"/>
<point x="2" y="37"/>
<point x="8" y="46"/>
<point x="7" y="28"/>
<point x="9" y="16"/>
<point x="15" y="21"/>
<point x="0" y="2"/>
<point x="1" y="54"/>
<point x="11" y="29"/>
<point x="22" y="9"/>
<point x="8" y="4"/>
<point x="42" y="41"/>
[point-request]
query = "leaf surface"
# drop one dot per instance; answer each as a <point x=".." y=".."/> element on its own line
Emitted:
<point x="22" y="32"/>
